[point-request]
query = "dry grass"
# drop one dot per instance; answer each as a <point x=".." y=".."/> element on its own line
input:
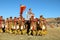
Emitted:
<point x="53" y="34"/>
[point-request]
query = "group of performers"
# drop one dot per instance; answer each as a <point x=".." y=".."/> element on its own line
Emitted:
<point x="33" y="26"/>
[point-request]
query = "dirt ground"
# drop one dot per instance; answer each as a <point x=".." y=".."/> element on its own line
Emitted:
<point x="53" y="34"/>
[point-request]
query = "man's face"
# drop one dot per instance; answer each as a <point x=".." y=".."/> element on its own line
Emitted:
<point x="1" y="17"/>
<point x="14" y="17"/>
<point x="10" y="17"/>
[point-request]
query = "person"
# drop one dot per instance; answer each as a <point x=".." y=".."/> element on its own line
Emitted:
<point x="23" y="27"/>
<point x="20" y="21"/>
<point x="7" y="25"/>
<point x="18" y="26"/>
<point x="42" y="25"/>
<point x="21" y="24"/>
<point x="32" y="25"/>
<point x="42" y="22"/>
<point x="29" y="14"/>
<point x="14" y="28"/>
<point x="10" y="24"/>
<point x="37" y="25"/>
<point x="3" y="25"/>
<point x="1" y="21"/>
<point x="27" y="26"/>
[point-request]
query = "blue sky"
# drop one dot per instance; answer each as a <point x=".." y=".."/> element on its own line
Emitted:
<point x="47" y="8"/>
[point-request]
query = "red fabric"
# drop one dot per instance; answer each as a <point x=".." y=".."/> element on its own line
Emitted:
<point x="23" y="21"/>
<point x="22" y="8"/>
<point x="33" y="28"/>
<point x="0" y="23"/>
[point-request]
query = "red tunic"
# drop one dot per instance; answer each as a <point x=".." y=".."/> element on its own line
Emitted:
<point x="32" y="24"/>
<point x="22" y="8"/>
<point x="1" y="23"/>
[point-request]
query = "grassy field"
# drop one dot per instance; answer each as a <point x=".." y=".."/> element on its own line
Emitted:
<point x="53" y="34"/>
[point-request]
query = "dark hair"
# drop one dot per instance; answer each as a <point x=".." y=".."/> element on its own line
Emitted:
<point x="6" y="18"/>
<point x="14" y="17"/>
<point x="10" y="17"/>
<point x="30" y="9"/>
<point x="41" y="15"/>
<point x="1" y="16"/>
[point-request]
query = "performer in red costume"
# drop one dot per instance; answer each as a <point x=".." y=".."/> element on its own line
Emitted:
<point x="33" y="26"/>
<point x="15" y="27"/>
<point x="15" y="23"/>
<point x="23" y="28"/>
<point x="1" y="21"/>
